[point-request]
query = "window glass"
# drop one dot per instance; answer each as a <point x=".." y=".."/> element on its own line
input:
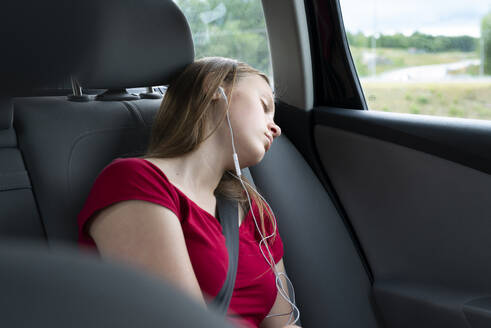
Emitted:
<point x="232" y="28"/>
<point x="422" y="57"/>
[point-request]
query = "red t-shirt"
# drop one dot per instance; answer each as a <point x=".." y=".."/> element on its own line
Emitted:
<point x="136" y="178"/>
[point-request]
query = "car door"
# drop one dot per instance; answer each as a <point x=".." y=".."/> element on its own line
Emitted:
<point x="412" y="189"/>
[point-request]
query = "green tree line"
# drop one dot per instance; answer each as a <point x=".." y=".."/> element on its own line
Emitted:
<point x="232" y="28"/>
<point x="236" y="29"/>
<point x="426" y="42"/>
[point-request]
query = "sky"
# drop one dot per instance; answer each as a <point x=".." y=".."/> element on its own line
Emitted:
<point x="437" y="17"/>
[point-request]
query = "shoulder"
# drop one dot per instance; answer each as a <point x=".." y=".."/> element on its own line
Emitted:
<point x="133" y="171"/>
<point x="131" y="165"/>
<point x="129" y="179"/>
<point x="132" y="178"/>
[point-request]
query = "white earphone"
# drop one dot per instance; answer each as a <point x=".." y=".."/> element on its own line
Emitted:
<point x="279" y="284"/>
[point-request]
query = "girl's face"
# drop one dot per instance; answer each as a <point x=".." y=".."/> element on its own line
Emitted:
<point x="251" y="116"/>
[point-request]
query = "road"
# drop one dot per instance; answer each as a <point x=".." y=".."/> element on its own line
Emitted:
<point x="436" y="72"/>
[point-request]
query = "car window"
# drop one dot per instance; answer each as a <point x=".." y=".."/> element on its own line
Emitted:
<point x="232" y="28"/>
<point x="422" y="57"/>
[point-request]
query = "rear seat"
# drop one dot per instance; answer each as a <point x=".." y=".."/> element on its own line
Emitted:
<point x="19" y="217"/>
<point x="65" y="145"/>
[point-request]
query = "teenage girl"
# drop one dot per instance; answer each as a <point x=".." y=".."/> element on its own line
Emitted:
<point x="158" y="211"/>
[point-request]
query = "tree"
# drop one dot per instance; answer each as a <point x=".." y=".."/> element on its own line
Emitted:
<point x="232" y="28"/>
<point x="486" y="42"/>
<point x="357" y="40"/>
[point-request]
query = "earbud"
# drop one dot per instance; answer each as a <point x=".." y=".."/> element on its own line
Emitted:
<point x="223" y="94"/>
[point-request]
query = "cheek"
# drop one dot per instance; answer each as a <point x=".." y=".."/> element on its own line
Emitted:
<point x="247" y="141"/>
<point x="246" y="124"/>
<point x="241" y="117"/>
<point x="246" y="120"/>
<point x="249" y="114"/>
<point x="247" y="138"/>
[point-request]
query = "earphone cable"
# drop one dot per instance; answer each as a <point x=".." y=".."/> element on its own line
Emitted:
<point x="279" y="286"/>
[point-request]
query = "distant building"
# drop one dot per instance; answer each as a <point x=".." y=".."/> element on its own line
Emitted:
<point x="413" y="50"/>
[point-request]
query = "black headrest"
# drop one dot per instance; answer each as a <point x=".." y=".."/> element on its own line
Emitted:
<point x="107" y="44"/>
<point x="6" y="113"/>
<point x="136" y="44"/>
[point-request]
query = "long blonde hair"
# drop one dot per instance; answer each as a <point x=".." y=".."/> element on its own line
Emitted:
<point x="184" y="116"/>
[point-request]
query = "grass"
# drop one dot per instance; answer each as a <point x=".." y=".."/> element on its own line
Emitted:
<point x="456" y="99"/>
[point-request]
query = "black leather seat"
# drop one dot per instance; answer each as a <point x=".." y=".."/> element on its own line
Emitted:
<point x="66" y="144"/>
<point x="65" y="141"/>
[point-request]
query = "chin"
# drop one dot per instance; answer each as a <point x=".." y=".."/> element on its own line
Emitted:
<point x="254" y="156"/>
<point x="260" y="156"/>
<point x="251" y="160"/>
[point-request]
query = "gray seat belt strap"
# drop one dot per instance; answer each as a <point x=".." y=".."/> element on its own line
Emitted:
<point x="228" y="216"/>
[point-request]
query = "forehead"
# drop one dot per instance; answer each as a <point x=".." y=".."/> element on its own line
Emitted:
<point x="257" y="82"/>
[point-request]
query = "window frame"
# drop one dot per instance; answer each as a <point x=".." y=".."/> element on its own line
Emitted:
<point x="336" y="82"/>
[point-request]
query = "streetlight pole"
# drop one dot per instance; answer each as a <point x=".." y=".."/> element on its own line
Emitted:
<point x="373" y="65"/>
<point x="481" y="68"/>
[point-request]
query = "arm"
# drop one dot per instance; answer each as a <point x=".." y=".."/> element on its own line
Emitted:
<point x="279" y="306"/>
<point x="148" y="236"/>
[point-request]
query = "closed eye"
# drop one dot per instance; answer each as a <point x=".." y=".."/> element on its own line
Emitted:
<point x="264" y="106"/>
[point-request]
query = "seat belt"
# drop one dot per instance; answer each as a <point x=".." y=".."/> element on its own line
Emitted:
<point x="228" y="216"/>
<point x="229" y="219"/>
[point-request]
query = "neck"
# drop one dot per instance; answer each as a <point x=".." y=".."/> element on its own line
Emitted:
<point x="198" y="172"/>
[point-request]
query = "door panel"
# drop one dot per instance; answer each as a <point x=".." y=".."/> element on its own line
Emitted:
<point x="419" y="205"/>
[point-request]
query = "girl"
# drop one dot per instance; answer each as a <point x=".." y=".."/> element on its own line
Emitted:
<point x="158" y="211"/>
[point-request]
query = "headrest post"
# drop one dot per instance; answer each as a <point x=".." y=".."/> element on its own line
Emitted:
<point x="77" y="92"/>
<point x="116" y="95"/>
<point x="150" y="94"/>
<point x="76" y="88"/>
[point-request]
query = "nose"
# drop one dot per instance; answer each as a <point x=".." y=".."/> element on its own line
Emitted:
<point x="275" y="129"/>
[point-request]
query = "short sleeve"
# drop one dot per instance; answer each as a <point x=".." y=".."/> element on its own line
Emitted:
<point x="126" y="179"/>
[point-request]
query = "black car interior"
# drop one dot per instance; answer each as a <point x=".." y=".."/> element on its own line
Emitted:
<point x="53" y="147"/>
<point x="54" y="144"/>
